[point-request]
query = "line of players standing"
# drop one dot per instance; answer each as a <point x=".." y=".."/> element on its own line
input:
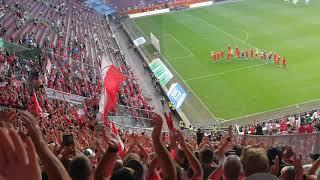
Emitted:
<point x="248" y="54"/>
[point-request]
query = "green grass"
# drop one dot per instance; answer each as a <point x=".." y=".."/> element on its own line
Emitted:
<point x="187" y="38"/>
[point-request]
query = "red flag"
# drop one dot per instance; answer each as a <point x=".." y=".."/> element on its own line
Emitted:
<point x="120" y="145"/>
<point x="36" y="104"/>
<point x="112" y="83"/>
<point x="169" y="122"/>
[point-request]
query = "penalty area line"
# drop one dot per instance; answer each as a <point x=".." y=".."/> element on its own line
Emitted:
<point x="276" y="109"/>
<point x="229" y="34"/>
<point x="184" y="47"/>
<point x="225" y="72"/>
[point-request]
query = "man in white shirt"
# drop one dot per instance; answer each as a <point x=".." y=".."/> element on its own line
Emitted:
<point x="268" y="127"/>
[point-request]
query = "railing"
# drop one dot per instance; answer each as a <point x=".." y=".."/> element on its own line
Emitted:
<point x="131" y="122"/>
<point x="303" y="144"/>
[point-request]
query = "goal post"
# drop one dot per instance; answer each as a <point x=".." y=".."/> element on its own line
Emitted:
<point x="155" y="42"/>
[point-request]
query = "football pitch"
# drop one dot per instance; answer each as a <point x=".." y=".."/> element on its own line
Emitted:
<point x="246" y="86"/>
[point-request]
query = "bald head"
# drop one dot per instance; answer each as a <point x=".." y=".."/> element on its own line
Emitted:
<point x="232" y="168"/>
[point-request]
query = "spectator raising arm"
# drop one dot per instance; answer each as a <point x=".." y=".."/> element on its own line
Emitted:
<point x="225" y="145"/>
<point x="194" y="163"/>
<point x="244" y="137"/>
<point x="105" y="167"/>
<point x="314" y="167"/>
<point x="275" y="167"/>
<point x="298" y="169"/>
<point x="216" y="174"/>
<point x="53" y="166"/>
<point x="16" y="159"/>
<point x="165" y="162"/>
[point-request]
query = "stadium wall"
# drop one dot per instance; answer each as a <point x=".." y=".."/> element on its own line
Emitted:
<point x="149" y="13"/>
<point x="208" y="3"/>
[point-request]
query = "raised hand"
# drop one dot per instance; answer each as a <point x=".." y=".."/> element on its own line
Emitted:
<point x="52" y="164"/>
<point x="17" y="161"/>
<point x="179" y="138"/>
<point x="112" y="140"/>
<point x="275" y="167"/>
<point x="8" y="116"/>
<point x="298" y="169"/>
<point x="157" y="120"/>
<point x="230" y="132"/>
<point x="32" y="126"/>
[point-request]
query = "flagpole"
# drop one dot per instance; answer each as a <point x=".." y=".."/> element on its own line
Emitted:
<point x="105" y="67"/>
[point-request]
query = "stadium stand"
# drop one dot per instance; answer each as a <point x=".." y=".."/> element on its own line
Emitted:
<point x="136" y="6"/>
<point x="57" y="137"/>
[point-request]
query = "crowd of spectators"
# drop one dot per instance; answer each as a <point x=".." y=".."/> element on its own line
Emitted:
<point x="308" y="122"/>
<point x="74" y="40"/>
<point x="41" y="148"/>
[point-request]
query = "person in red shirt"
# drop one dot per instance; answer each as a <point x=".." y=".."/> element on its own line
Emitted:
<point x="264" y="55"/>
<point x="284" y="62"/>
<point x="309" y="128"/>
<point x="252" y="130"/>
<point x="238" y="52"/>
<point x="229" y="53"/>
<point x="252" y="53"/>
<point x="222" y="53"/>
<point x="247" y="54"/>
<point x="283" y="125"/>
<point x="301" y="129"/>
<point x="275" y="57"/>
<point x="278" y="60"/>
<point x="219" y="55"/>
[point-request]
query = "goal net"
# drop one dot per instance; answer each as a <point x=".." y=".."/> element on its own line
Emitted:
<point x="155" y="42"/>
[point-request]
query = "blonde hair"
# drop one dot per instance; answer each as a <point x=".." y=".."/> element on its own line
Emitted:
<point x="254" y="160"/>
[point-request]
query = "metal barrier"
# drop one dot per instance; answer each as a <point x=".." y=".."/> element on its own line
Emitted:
<point x="303" y="144"/>
<point x="131" y="122"/>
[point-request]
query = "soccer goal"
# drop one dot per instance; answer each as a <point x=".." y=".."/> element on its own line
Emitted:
<point x="155" y="42"/>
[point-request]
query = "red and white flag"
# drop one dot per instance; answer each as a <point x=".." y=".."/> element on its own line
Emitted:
<point x="120" y="145"/>
<point x="112" y="82"/>
<point x="36" y="104"/>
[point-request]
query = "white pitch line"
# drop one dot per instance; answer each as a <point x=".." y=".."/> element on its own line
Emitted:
<point x="179" y="58"/>
<point x="246" y="34"/>
<point x="285" y="107"/>
<point x="225" y="72"/>
<point x="218" y="29"/>
<point x="181" y="44"/>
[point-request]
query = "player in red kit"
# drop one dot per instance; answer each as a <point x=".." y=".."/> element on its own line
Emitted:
<point x="229" y="53"/>
<point x="237" y="52"/>
<point x="264" y="55"/>
<point x="218" y="55"/>
<point x="247" y="54"/>
<point x="252" y="53"/>
<point x="284" y="62"/>
<point x="215" y="57"/>
<point x="222" y="53"/>
<point x="278" y="60"/>
<point x="275" y="57"/>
